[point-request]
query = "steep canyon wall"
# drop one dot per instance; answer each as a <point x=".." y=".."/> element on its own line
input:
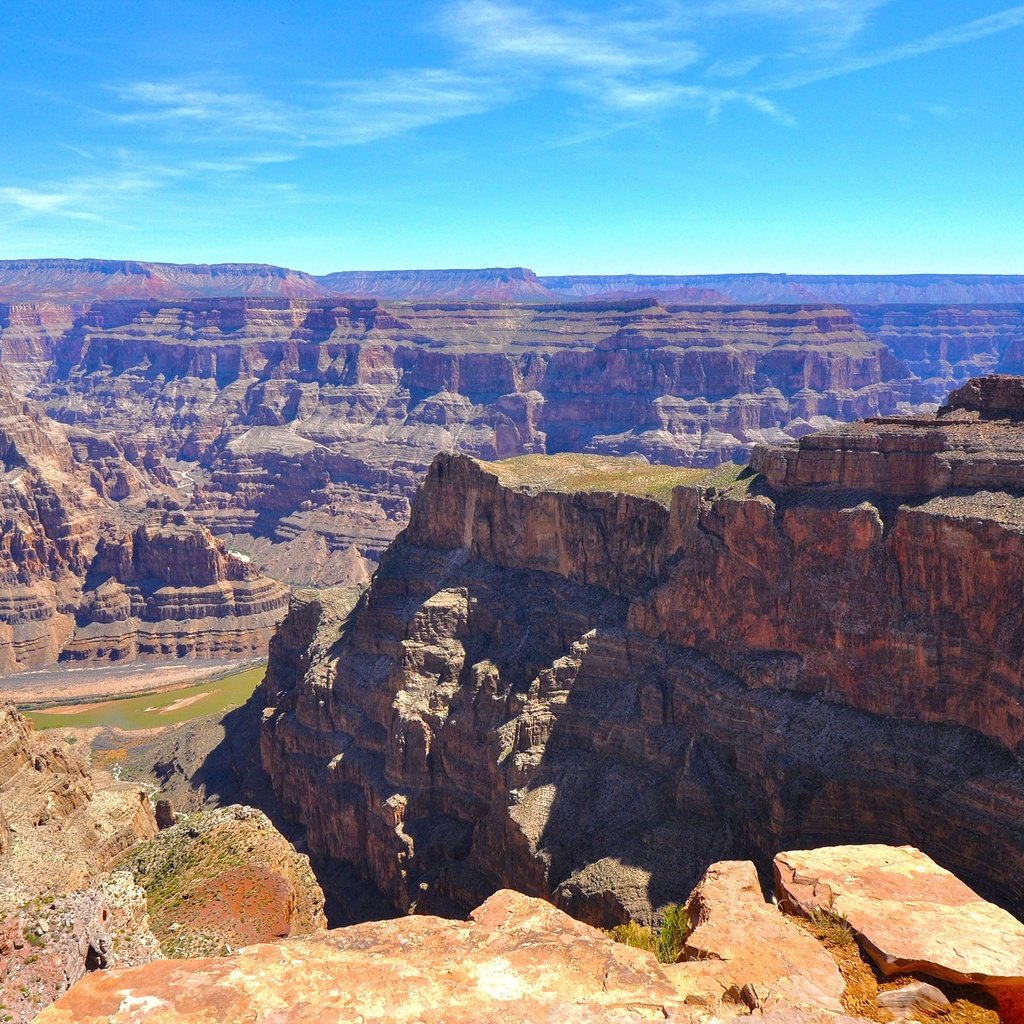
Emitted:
<point x="298" y="429"/>
<point x="589" y="695"/>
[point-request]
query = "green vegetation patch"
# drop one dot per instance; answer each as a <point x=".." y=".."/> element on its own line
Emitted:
<point x="665" y="942"/>
<point x="154" y="710"/>
<point x="568" y="473"/>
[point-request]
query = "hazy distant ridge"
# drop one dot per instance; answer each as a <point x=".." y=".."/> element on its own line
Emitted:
<point x="64" y="280"/>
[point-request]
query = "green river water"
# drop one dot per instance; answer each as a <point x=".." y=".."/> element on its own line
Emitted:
<point x="145" y="711"/>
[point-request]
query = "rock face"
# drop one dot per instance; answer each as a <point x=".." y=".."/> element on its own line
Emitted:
<point x="61" y="829"/>
<point x="299" y="430"/>
<point x="744" y="943"/>
<point x="516" y="959"/>
<point x="95" y="563"/>
<point x="60" y="833"/>
<point x="588" y="695"/>
<point x="909" y="914"/>
<point x="225" y="878"/>
<point x="519" y="960"/>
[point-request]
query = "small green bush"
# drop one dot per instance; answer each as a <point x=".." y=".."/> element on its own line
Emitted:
<point x="675" y="926"/>
<point x="636" y="935"/>
<point x="665" y="942"/>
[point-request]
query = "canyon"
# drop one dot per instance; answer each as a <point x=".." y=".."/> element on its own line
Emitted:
<point x="297" y="430"/>
<point x="587" y="692"/>
<point x="98" y="561"/>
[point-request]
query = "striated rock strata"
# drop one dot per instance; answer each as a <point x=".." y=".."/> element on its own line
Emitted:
<point x="589" y="695"/>
<point x="298" y="430"/>
<point x="96" y="562"/>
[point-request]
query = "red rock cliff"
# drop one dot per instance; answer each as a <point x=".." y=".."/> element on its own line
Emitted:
<point x="591" y="695"/>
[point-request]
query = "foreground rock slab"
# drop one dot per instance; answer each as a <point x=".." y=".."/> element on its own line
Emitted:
<point x="744" y="943"/>
<point x="910" y="915"/>
<point x="516" y="959"/>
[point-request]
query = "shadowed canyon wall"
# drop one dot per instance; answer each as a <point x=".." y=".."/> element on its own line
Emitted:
<point x="589" y="696"/>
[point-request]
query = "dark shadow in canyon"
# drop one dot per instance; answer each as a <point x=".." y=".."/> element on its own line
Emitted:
<point x="663" y="762"/>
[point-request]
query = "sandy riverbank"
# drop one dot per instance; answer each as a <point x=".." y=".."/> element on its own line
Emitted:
<point x="96" y="683"/>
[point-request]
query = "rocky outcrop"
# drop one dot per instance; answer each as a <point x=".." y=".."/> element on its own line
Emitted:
<point x="224" y="878"/>
<point x="910" y="915"/>
<point x="297" y="429"/>
<point x="48" y="944"/>
<point x="62" y="830"/>
<point x="60" y="833"/>
<point x="516" y="960"/>
<point x="521" y="961"/>
<point x="746" y="946"/>
<point x="589" y="695"/>
<point x="95" y="562"/>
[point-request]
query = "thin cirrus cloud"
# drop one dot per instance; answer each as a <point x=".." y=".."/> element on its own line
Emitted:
<point x="623" y="66"/>
<point x="83" y="198"/>
<point x="349" y="112"/>
<point x="958" y="35"/>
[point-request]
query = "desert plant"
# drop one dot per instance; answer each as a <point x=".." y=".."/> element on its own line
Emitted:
<point x="675" y="926"/>
<point x="665" y="942"/>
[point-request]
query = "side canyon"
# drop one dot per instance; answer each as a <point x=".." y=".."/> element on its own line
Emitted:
<point x="586" y="692"/>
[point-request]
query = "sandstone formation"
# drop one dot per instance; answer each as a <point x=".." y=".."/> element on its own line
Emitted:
<point x="49" y="943"/>
<point x="59" y="834"/>
<point x="224" y="878"/>
<point x="745" y="944"/>
<point x="909" y="914"/>
<point x="95" y="562"/>
<point x="61" y="829"/>
<point x="587" y="694"/>
<point x="515" y="961"/>
<point x="298" y="430"/>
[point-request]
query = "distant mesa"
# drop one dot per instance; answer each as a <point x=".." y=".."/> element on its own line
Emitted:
<point x="85" y="280"/>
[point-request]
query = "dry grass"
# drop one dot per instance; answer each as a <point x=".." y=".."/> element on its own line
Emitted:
<point x="665" y="942"/>
<point x="570" y="472"/>
<point x="864" y="981"/>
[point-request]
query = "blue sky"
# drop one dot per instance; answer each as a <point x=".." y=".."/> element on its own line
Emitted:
<point x="811" y="136"/>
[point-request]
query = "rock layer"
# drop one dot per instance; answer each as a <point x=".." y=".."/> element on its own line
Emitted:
<point x="95" y="562"/>
<point x="60" y="832"/>
<point x="515" y="961"/>
<point x="298" y="430"/>
<point x="590" y="695"/>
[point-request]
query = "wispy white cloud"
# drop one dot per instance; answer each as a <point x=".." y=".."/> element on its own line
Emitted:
<point x="36" y="201"/>
<point x="735" y="67"/>
<point x="618" y="67"/>
<point x="958" y="35"/>
<point x="623" y="65"/>
<point x="522" y="34"/>
<point x="343" y="112"/>
<point x="825" y="24"/>
<point x="83" y="198"/>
